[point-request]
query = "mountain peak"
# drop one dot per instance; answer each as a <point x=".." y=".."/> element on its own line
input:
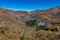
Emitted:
<point x="57" y="7"/>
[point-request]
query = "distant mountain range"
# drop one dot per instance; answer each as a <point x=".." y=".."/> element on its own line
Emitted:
<point x="52" y="14"/>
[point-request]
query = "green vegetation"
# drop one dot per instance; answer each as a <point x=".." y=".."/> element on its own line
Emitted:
<point x="31" y="23"/>
<point x="2" y="32"/>
<point x="40" y="27"/>
<point x="22" y="38"/>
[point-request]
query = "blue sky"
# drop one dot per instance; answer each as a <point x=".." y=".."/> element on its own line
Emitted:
<point x="29" y="4"/>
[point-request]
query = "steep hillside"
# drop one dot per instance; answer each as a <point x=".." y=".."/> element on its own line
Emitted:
<point x="52" y="14"/>
<point x="48" y="35"/>
<point x="11" y="28"/>
<point x="22" y="25"/>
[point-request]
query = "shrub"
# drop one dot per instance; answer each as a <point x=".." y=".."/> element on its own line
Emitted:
<point x="40" y="27"/>
<point x="22" y="38"/>
<point x="2" y="32"/>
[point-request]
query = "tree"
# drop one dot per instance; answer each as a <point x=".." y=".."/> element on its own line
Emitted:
<point x="31" y="23"/>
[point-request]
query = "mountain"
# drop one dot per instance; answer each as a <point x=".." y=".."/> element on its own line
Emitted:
<point x="13" y="27"/>
<point x="52" y="14"/>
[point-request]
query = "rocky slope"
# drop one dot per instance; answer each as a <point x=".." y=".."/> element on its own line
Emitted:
<point x="52" y="14"/>
<point x="13" y="27"/>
